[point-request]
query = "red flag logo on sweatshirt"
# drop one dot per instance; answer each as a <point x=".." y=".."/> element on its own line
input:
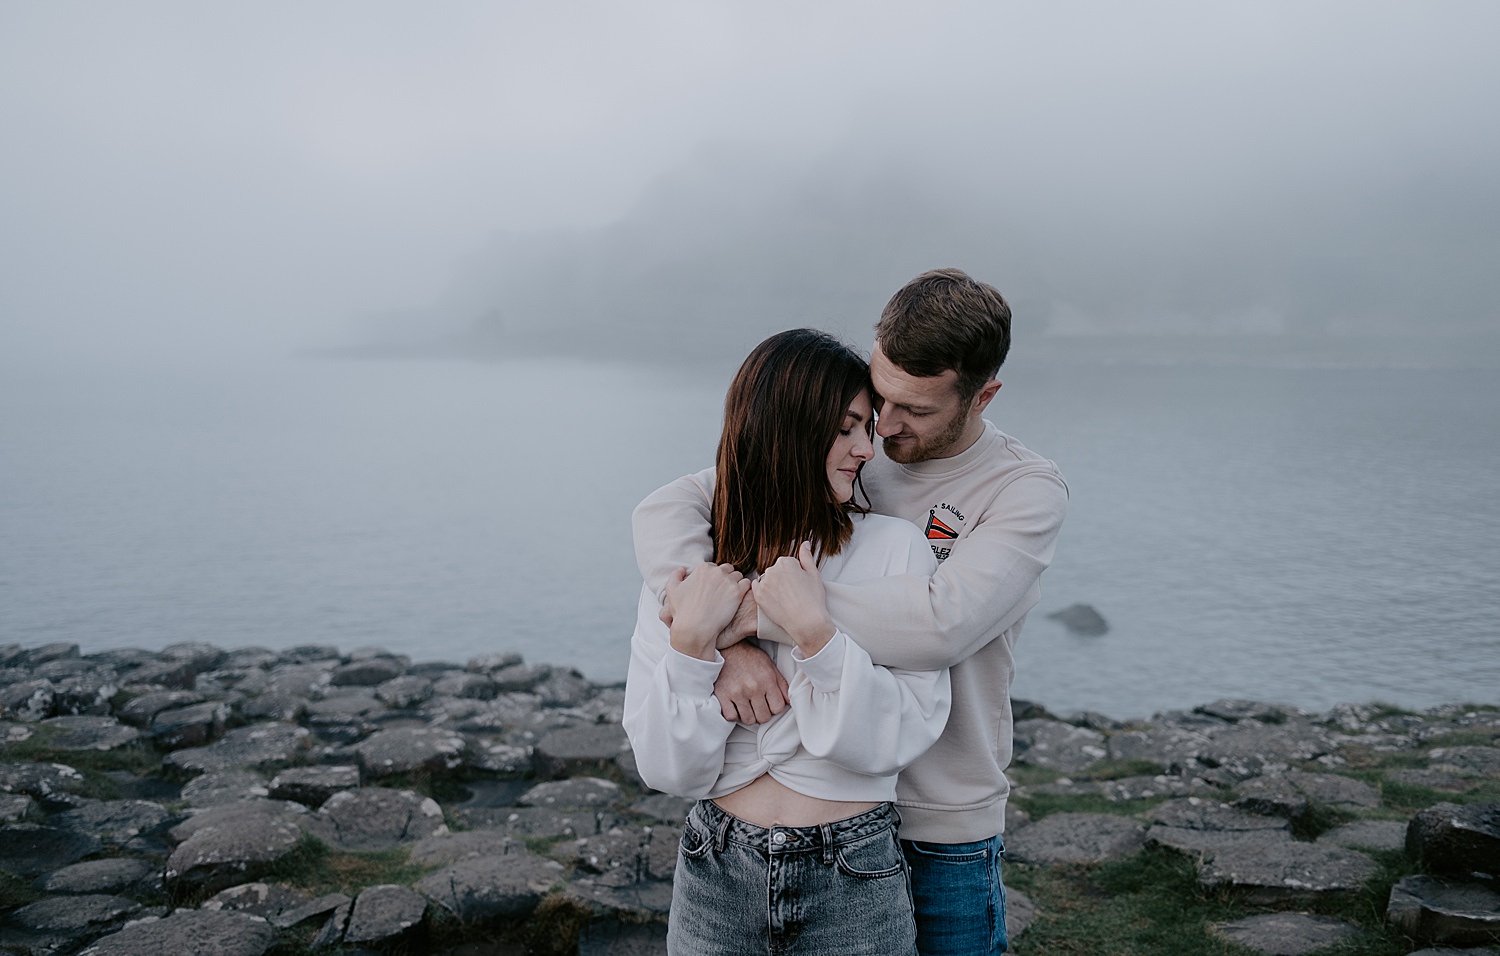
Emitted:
<point x="936" y="530"/>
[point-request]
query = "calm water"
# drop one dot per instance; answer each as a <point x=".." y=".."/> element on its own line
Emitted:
<point x="1307" y="536"/>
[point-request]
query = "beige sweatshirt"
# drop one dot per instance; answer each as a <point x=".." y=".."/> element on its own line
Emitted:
<point x="992" y="515"/>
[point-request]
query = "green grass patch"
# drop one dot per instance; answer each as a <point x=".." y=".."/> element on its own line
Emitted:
<point x="1120" y="769"/>
<point x="1023" y="775"/>
<point x="1461" y="738"/>
<point x="318" y="868"/>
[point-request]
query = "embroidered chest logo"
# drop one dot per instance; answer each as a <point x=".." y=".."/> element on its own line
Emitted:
<point x="943" y="529"/>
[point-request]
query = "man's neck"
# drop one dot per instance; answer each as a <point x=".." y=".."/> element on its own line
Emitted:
<point x="971" y="434"/>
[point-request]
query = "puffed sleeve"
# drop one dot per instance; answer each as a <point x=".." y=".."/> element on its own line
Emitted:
<point x="672" y="718"/>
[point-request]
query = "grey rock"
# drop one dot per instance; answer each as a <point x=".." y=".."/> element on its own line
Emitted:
<point x="267" y="901"/>
<point x="345" y="715"/>
<point x="1453" y="912"/>
<point x="12" y="734"/>
<point x="1081" y="619"/>
<point x="174" y="675"/>
<point x="27" y="849"/>
<point x="461" y="684"/>
<point x="1020" y="913"/>
<point x="404" y="692"/>
<point x="1285" y="934"/>
<point x="312" y="909"/>
<point x="1171" y="748"/>
<point x="1292" y="794"/>
<point x="115" y="822"/>
<point x="230" y="813"/>
<point x="520" y="677"/>
<point x="1367" y="835"/>
<point x="307" y="653"/>
<point x="1150" y="788"/>
<point x="18" y="808"/>
<point x="1076" y="838"/>
<point x="1280" y="872"/>
<point x="312" y="786"/>
<point x="190" y="726"/>
<point x="541" y="822"/>
<point x="74" y="915"/>
<point x="383" y="914"/>
<point x="1252" y="748"/>
<point x="30" y="700"/>
<point x="579" y="750"/>
<point x="305" y="680"/>
<point x="665" y="808"/>
<point x="140" y="711"/>
<point x="1059" y="746"/>
<point x="497" y="756"/>
<point x="623" y="855"/>
<point x="243" y="747"/>
<point x="111" y="875"/>
<point x="375" y="818"/>
<point x="446" y="848"/>
<point x="189" y="933"/>
<point x="86" y="694"/>
<point x="578" y="793"/>
<point x="1432" y="779"/>
<point x="482" y="889"/>
<point x="218" y="787"/>
<point x="251" y="657"/>
<point x="486" y="663"/>
<point x="1235" y="710"/>
<point x="563" y="688"/>
<point x="46" y="782"/>
<point x="1468" y="761"/>
<point x="61" y="650"/>
<point x="1201" y="828"/>
<point x="197" y="654"/>
<point x="88" y="733"/>
<point x="367" y="673"/>
<point x="1453" y="838"/>
<point x="635" y="902"/>
<point x="230" y="845"/>
<point x="411" y="750"/>
<point x="275" y="705"/>
<point x="1449" y="951"/>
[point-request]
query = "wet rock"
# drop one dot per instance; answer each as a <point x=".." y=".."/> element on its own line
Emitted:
<point x="1286" y="871"/>
<point x="1293" y="793"/>
<point x="218" y="787"/>
<point x="385" y="915"/>
<point x="375" y="818"/>
<point x="1285" y="934"/>
<point x="1059" y="746"/>
<point x="232" y="844"/>
<point x="1076" y="838"/>
<point x="140" y="711"/>
<point x="367" y="673"/>
<point x="482" y="889"/>
<point x="115" y="822"/>
<point x="411" y="750"/>
<point x="1452" y="838"/>
<point x="74" y="915"/>
<point x="190" y="726"/>
<point x="111" y="875"/>
<point x="579" y="750"/>
<point x="88" y="733"/>
<point x="578" y="793"/>
<point x="1081" y="619"/>
<point x="1235" y="710"/>
<point x="189" y="933"/>
<point x="28" y="849"/>
<point x="1452" y="912"/>
<point x="312" y="786"/>
<point x="1367" y="835"/>
<point x="404" y="692"/>
<point x="243" y="747"/>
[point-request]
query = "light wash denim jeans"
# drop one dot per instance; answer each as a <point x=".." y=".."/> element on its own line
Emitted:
<point x="839" y="889"/>
<point x="959" y="898"/>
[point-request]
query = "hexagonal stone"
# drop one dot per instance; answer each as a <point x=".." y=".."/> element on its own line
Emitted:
<point x="404" y="692"/>
<point x="1171" y="748"/>
<point x="375" y="818"/>
<point x="140" y="711"/>
<point x="218" y="787"/>
<point x="368" y="673"/>
<point x="243" y="747"/>
<point x="1252" y="749"/>
<point x="1293" y="793"/>
<point x="1201" y="828"/>
<point x="578" y="793"/>
<point x="1453" y="838"/>
<point x="1448" y="911"/>
<point x="27" y="849"/>
<point x="520" y="677"/>
<point x="30" y="700"/>
<point x="1076" y="838"/>
<point x="1433" y="779"/>
<point x="88" y="733"/>
<point x="311" y="786"/>
<point x="189" y="933"/>
<point x="190" y="726"/>
<point x="231" y="845"/>
<point x="540" y="822"/>
<point x="46" y="782"/>
<point x="446" y="848"/>
<point x="1285" y="934"/>
<point x="497" y="756"/>
<point x="575" y="751"/>
<point x="73" y="915"/>
<point x="115" y="822"/>
<point x="384" y="914"/>
<point x="482" y="889"/>
<point x="1059" y="746"/>
<point x="410" y="750"/>
<point x="460" y="684"/>
<point x="664" y="808"/>
<point x="623" y="855"/>
<point x="1279" y="872"/>
<point x="265" y="900"/>
<point x="111" y="875"/>
<point x="564" y="688"/>
<point x="1367" y="835"/>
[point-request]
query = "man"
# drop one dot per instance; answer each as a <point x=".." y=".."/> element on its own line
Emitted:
<point x="991" y="510"/>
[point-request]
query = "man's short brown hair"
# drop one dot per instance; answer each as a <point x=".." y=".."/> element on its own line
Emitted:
<point x="945" y="320"/>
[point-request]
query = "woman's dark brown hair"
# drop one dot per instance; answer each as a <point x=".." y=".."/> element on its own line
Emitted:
<point x="785" y="406"/>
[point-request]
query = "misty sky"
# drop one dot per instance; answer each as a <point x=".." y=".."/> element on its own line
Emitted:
<point x="194" y="179"/>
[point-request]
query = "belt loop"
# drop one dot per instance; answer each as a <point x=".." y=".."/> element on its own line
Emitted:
<point x="721" y="835"/>
<point x="827" y="832"/>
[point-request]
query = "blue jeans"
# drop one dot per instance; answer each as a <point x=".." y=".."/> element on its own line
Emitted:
<point x="838" y="889"/>
<point x="960" y="900"/>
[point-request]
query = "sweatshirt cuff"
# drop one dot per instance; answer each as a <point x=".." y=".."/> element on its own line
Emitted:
<point x="692" y="676"/>
<point x="826" y="668"/>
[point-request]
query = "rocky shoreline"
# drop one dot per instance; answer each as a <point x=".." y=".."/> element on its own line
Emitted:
<point x="198" y="800"/>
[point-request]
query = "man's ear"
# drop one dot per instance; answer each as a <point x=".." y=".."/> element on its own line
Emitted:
<point x="984" y="396"/>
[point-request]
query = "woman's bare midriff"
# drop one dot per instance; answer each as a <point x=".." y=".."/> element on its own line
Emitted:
<point x="769" y="803"/>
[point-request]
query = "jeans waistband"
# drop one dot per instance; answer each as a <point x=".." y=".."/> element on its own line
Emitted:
<point x="726" y="827"/>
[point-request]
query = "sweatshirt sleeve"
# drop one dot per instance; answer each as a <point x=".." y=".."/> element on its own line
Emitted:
<point x="674" y="723"/>
<point x="988" y="583"/>
<point x="866" y="718"/>
<point x="671" y="528"/>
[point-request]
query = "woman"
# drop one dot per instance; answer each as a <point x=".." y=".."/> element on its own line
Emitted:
<point x="792" y="845"/>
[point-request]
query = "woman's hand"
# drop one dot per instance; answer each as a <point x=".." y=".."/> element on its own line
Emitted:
<point x="702" y="605"/>
<point x="790" y="593"/>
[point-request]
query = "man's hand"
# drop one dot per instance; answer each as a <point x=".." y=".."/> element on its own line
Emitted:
<point x="743" y="625"/>
<point x="750" y="689"/>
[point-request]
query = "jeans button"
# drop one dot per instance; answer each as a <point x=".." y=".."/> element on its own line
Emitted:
<point x="778" y="838"/>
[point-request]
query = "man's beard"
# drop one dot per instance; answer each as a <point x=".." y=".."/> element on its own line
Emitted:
<point x="917" y="449"/>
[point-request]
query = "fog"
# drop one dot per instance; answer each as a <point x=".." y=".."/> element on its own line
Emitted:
<point x="182" y="180"/>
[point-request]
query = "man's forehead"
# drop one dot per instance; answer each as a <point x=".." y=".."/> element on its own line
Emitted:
<point x="894" y="382"/>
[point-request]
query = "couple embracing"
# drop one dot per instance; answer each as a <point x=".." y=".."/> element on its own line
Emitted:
<point x="831" y="679"/>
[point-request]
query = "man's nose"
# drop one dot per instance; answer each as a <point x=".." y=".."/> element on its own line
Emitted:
<point x="887" y="424"/>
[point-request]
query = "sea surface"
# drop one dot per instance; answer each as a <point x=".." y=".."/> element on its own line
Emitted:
<point x="1303" y="535"/>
